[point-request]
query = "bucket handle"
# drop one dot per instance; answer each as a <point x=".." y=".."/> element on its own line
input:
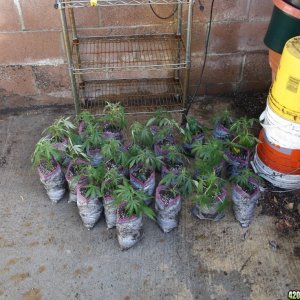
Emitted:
<point x="262" y="119"/>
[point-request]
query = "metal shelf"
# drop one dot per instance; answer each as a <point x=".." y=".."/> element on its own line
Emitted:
<point x="106" y="54"/>
<point x="137" y="94"/>
<point x="87" y="3"/>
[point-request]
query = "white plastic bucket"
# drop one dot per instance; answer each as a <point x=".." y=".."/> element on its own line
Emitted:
<point x="279" y="131"/>
<point x="281" y="180"/>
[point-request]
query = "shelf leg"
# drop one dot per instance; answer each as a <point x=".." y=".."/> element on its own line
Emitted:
<point x="187" y="60"/>
<point x="178" y="33"/>
<point x="69" y="59"/>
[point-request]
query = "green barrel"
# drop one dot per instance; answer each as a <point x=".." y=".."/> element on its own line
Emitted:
<point x="282" y="27"/>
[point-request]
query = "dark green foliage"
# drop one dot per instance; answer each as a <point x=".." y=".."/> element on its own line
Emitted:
<point x="243" y="179"/>
<point x="134" y="200"/>
<point x="112" y="179"/>
<point x="182" y="183"/>
<point x="207" y="190"/>
<point x="44" y="153"/>
<point x="112" y="150"/>
<point x="144" y="157"/>
<point x="95" y="176"/>
<point x="141" y="135"/>
<point x="241" y="128"/>
<point x="175" y="155"/>
<point x="208" y="155"/>
<point x="86" y="117"/>
<point x="93" y="138"/>
<point x="192" y="128"/>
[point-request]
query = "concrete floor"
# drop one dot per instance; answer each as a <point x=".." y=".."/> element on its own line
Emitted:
<point x="46" y="253"/>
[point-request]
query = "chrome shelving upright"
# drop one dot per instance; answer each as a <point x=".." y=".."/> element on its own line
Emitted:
<point x="95" y="61"/>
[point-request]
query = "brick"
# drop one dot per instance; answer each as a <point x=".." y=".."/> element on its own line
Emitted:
<point x="198" y="38"/>
<point x="29" y="47"/>
<point x="257" y="67"/>
<point x="40" y="14"/>
<point x="254" y="86"/>
<point x="87" y="17"/>
<point x="260" y="10"/>
<point x="133" y="15"/>
<point x="229" y="10"/>
<point x="17" y="80"/>
<point x="49" y="79"/>
<point x="219" y="68"/>
<point x="220" y="88"/>
<point x="238" y="36"/>
<point x="9" y="18"/>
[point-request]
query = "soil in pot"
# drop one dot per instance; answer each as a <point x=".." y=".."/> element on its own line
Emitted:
<point x="110" y="164"/>
<point x="169" y="167"/>
<point x="244" y="202"/>
<point x="158" y="147"/>
<point x="110" y="211"/>
<point x="222" y="131"/>
<point x="90" y="209"/>
<point x="144" y="180"/>
<point x="129" y="229"/>
<point x="211" y="212"/>
<point x="53" y="180"/>
<point x="95" y="157"/>
<point x="112" y="132"/>
<point x="167" y="207"/>
<point x="237" y="161"/>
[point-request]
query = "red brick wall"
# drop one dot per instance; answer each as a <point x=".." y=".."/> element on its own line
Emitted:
<point x="32" y="61"/>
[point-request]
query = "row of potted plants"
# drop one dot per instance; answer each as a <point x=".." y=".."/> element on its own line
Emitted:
<point x="105" y="173"/>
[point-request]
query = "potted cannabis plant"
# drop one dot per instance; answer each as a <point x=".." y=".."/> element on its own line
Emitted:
<point x="245" y="195"/>
<point x="209" y="157"/>
<point x="88" y="195"/>
<point x="131" y="208"/>
<point x="141" y="135"/>
<point x="210" y="197"/>
<point x="115" y="156"/>
<point x="114" y="121"/>
<point x="168" y="198"/>
<point x="58" y="134"/>
<point x="112" y="179"/>
<point x="78" y="162"/>
<point x="174" y="161"/>
<point x="222" y="123"/>
<point x="84" y="119"/>
<point x="159" y="121"/>
<point x="192" y="133"/>
<point x="45" y="158"/>
<point x="93" y="142"/>
<point x="239" y="148"/>
<point x="142" y="165"/>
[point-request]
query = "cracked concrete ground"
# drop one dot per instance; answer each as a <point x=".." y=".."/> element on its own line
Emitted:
<point x="46" y="253"/>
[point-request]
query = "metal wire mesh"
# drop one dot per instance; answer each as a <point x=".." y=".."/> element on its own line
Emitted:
<point x="134" y="94"/>
<point x="87" y="3"/>
<point x="149" y="52"/>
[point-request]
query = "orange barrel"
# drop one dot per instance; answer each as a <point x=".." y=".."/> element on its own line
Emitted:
<point x="274" y="60"/>
<point x="283" y="160"/>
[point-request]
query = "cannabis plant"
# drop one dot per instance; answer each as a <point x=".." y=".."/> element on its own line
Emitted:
<point x="94" y="177"/>
<point x="134" y="200"/>
<point x="145" y="158"/>
<point x="208" y="155"/>
<point x="114" y="115"/>
<point x="242" y="131"/>
<point x="45" y="154"/>
<point x="208" y="188"/>
<point x="175" y="156"/>
<point x="224" y="117"/>
<point x="141" y="135"/>
<point x="111" y="180"/>
<point x="244" y="180"/>
<point x="191" y="129"/>
<point x="86" y="117"/>
<point x="93" y="138"/>
<point x="112" y="150"/>
<point x="181" y="183"/>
